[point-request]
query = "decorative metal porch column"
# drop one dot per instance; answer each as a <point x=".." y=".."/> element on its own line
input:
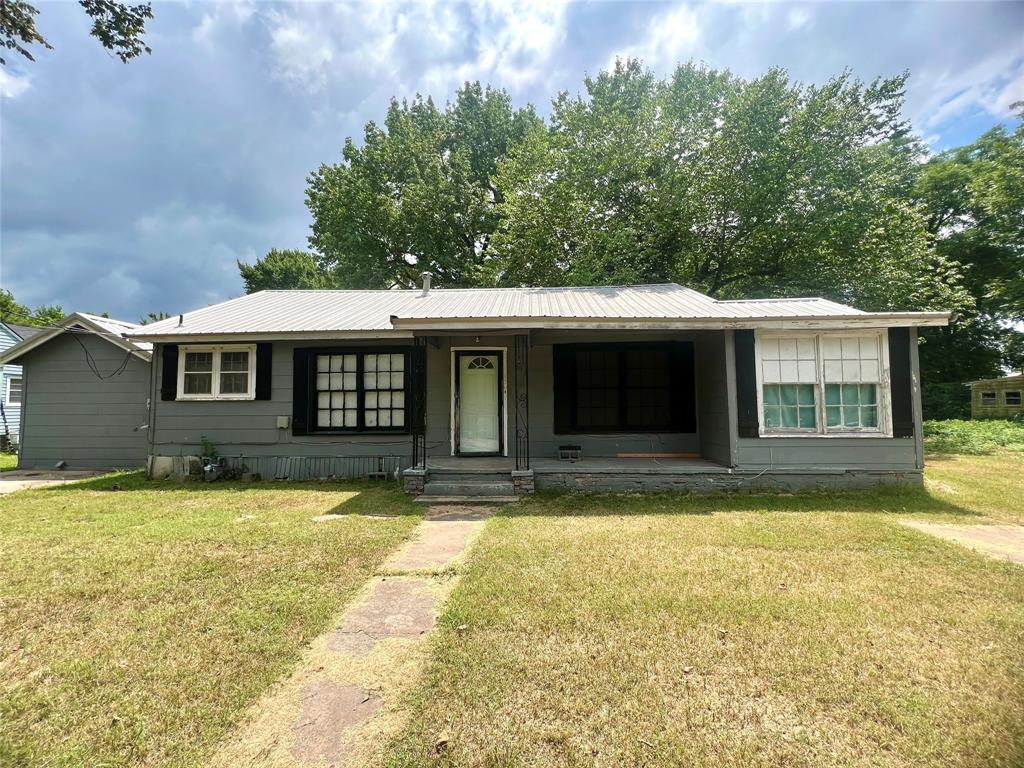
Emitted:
<point x="522" y="401"/>
<point x="418" y="412"/>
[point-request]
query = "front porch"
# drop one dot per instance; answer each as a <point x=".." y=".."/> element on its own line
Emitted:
<point x="637" y="409"/>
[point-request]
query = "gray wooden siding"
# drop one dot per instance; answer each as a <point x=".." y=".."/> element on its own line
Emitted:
<point x="249" y="427"/>
<point x="894" y="454"/>
<point x="71" y="415"/>
<point x="826" y="453"/>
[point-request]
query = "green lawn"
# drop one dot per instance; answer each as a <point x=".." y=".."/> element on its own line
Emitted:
<point x="8" y="461"/>
<point x="138" y="624"/>
<point x="733" y="631"/>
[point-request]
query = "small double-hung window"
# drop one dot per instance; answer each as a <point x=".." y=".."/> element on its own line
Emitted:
<point x="823" y="383"/>
<point x="217" y="372"/>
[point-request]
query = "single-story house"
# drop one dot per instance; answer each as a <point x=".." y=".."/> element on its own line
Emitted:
<point x="495" y="391"/>
<point x="84" y="390"/>
<point x="11" y="382"/>
<point x="997" y="398"/>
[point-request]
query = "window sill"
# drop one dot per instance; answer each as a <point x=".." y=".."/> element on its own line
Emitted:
<point x="355" y="432"/>
<point x="214" y="399"/>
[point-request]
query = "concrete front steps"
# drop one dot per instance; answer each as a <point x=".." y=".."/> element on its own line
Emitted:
<point x="468" y="487"/>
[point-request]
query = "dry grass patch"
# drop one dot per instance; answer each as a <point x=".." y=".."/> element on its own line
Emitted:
<point x="668" y="631"/>
<point x="139" y="624"/>
<point x="990" y="485"/>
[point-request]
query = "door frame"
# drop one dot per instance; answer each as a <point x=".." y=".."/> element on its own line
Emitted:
<point x="502" y="353"/>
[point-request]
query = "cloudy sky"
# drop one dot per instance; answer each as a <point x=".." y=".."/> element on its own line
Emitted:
<point x="134" y="188"/>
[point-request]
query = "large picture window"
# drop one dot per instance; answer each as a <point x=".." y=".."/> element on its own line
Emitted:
<point x="211" y="372"/>
<point x="642" y="387"/>
<point x="823" y="383"/>
<point x="358" y="390"/>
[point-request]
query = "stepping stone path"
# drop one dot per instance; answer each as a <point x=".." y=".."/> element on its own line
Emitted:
<point x="342" y="703"/>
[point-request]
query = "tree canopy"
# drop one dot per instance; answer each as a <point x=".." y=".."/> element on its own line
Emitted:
<point x="118" y="26"/>
<point x="19" y="314"/>
<point x="284" y="269"/>
<point x="740" y="188"/>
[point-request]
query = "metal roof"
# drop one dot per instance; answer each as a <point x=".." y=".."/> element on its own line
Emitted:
<point x="106" y="328"/>
<point x="377" y="313"/>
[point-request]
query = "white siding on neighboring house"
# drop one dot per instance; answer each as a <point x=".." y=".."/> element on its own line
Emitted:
<point x="11" y="420"/>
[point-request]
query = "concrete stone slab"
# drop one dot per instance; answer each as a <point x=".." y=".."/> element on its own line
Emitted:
<point x="23" y="479"/>
<point x="329" y="711"/>
<point x="438" y="545"/>
<point x="396" y="607"/>
<point x="1002" y="541"/>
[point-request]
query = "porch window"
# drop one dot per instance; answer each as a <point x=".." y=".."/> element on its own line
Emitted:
<point x="823" y="383"/>
<point x="1013" y="398"/>
<point x="358" y="390"/>
<point x="642" y="387"/>
<point x="988" y="398"/>
<point x="217" y="372"/>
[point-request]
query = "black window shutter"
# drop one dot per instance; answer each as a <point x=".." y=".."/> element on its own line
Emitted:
<point x="169" y="372"/>
<point x="264" y="370"/>
<point x="684" y="404"/>
<point x="300" y="393"/>
<point x="900" y="385"/>
<point x="564" y="370"/>
<point x="746" y="384"/>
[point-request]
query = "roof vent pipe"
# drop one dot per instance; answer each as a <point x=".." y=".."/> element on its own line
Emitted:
<point x="426" y="281"/>
<point x="181" y="320"/>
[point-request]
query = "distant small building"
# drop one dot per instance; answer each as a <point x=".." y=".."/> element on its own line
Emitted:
<point x="11" y="382"/>
<point x="997" y="398"/>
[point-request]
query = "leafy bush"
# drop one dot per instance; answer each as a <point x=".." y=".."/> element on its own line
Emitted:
<point x="946" y="401"/>
<point x="983" y="436"/>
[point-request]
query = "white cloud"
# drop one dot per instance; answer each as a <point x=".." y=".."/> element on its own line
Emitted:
<point x="13" y="86"/>
<point x="670" y="38"/>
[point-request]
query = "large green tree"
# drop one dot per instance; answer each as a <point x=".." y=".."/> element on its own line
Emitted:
<point x="973" y="202"/>
<point x="118" y="26"/>
<point x="735" y="187"/>
<point x="418" y="193"/>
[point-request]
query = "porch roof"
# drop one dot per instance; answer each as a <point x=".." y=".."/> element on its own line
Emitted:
<point x="402" y="313"/>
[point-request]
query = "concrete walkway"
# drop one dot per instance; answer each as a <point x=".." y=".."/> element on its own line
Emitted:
<point x="343" y="701"/>
<point x="22" y="479"/>
<point x="1002" y="541"/>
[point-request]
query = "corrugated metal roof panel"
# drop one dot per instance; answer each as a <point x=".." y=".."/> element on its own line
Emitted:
<point x="341" y="311"/>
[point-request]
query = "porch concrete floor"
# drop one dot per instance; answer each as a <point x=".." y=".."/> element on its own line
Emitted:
<point x="596" y="464"/>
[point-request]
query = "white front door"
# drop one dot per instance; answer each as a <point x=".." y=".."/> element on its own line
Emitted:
<point x="478" y="400"/>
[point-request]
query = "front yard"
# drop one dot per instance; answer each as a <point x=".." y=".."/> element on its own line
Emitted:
<point x="735" y="631"/>
<point x="138" y="624"/>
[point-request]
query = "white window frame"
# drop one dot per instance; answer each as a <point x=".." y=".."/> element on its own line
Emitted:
<point x="884" y="428"/>
<point x="10" y="383"/>
<point x="216" y="349"/>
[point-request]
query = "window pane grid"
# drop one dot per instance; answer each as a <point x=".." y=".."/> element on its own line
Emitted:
<point x="836" y="376"/>
<point x="597" y="389"/>
<point x="790" y="406"/>
<point x="353" y="385"/>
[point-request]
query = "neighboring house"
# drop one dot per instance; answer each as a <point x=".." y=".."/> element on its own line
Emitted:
<point x="11" y="388"/>
<point x="492" y="390"/>
<point x="997" y="398"/>
<point x="83" y="395"/>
